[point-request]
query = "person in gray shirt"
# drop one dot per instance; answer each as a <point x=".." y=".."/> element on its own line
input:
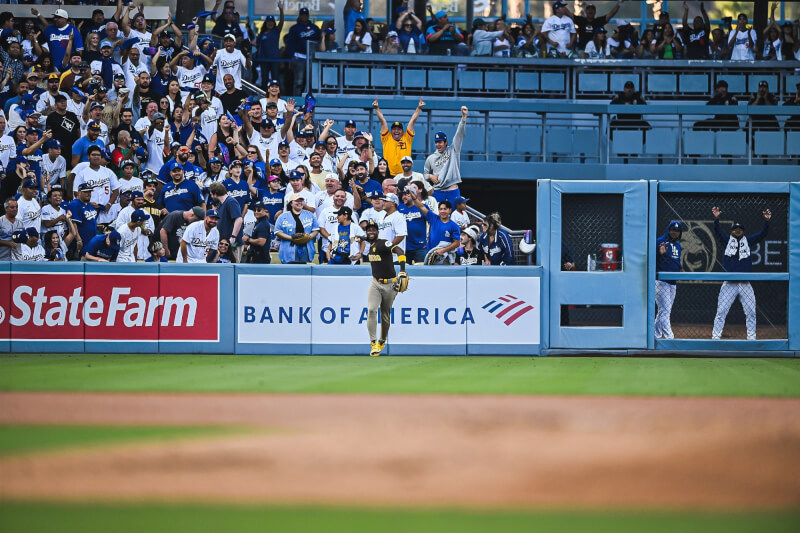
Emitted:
<point x="443" y="167"/>
<point x="8" y="225"/>
<point x="172" y="227"/>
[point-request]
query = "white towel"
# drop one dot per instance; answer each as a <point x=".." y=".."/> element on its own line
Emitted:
<point x="739" y="247"/>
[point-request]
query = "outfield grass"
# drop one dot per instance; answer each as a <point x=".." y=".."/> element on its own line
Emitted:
<point x="24" y="439"/>
<point x="122" y="518"/>
<point x="413" y="375"/>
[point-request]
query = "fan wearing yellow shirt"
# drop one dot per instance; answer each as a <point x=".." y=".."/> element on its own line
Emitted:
<point x="397" y="140"/>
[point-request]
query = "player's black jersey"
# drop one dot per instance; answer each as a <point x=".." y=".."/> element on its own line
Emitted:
<point x="380" y="259"/>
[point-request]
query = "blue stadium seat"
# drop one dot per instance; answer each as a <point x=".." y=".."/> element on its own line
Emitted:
<point x="768" y="143"/>
<point x="553" y="82"/>
<point x="731" y="142"/>
<point x="585" y="141"/>
<point x="383" y="77"/>
<point x="755" y="78"/>
<point x="618" y="81"/>
<point x="501" y="139"/>
<point x="473" y="139"/>
<point x="315" y="79"/>
<point x="736" y="82"/>
<point x="440" y="79"/>
<point x="413" y="79"/>
<point x="470" y="79"/>
<point x="793" y="143"/>
<point x="698" y="142"/>
<point x="496" y="81"/>
<point x="559" y="140"/>
<point x="694" y="83"/>
<point x="662" y="83"/>
<point x="596" y="83"/>
<point x="790" y="82"/>
<point x="330" y="76"/>
<point x="627" y="142"/>
<point x="526" y="81"/>
<point x="661" y="141"/>
<point x="356" y="77"/>
<point x="529" y="140"/>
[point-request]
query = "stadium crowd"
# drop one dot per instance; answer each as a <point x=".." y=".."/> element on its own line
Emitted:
<point x="161" y="156"/>
<point x="126" y="139"/>
<point x="568" y="35"/>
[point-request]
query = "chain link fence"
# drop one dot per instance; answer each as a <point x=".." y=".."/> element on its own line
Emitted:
<point x="589" y="221"/>
<point x="736" y="307"/>
<point x="702" y="250"/>
<point x="764" y="304"/>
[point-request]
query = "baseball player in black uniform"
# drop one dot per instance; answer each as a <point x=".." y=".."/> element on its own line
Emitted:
<point x="384" y="286"/>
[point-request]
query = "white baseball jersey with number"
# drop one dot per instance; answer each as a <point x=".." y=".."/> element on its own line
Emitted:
<point x="190" y="79"/>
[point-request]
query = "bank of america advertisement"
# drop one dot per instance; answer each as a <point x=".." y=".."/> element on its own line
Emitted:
<point x="436" y="311"/>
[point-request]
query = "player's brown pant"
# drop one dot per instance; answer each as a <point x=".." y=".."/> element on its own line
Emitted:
<point x="379" y="295"/>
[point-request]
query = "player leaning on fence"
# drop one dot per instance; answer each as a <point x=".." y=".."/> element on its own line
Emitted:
<point x="737" y="258"/>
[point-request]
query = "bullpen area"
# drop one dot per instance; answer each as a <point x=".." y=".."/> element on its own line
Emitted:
<point x="212" y="443"/>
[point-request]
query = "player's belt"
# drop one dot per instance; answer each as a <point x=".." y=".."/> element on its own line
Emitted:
<point x="384" y="280"/>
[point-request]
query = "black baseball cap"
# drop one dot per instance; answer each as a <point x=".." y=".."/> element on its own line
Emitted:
<point x="344" y="210"/>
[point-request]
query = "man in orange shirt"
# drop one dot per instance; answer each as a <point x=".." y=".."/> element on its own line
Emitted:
<point x="397" y="141"/>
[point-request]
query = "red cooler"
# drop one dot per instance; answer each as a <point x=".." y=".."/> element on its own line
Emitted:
<point x="609" y="254"/>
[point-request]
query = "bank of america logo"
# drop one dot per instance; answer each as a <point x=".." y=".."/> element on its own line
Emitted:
<point x="508" y="308"/>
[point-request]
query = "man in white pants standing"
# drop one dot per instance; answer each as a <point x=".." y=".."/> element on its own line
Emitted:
<point x="668" y="248"/>
<point x="736" y="258"/>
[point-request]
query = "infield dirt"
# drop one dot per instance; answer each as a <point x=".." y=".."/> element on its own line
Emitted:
<point x="459" y="451"/>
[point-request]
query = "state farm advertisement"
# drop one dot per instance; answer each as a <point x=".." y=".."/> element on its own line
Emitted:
<point x="112" y="307"/>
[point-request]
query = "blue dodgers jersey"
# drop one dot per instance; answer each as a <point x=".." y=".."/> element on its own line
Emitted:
<point x="238" y="191"/>
<point x="57" y="40"/>
<point x="670" y="261"/>
<point x="272" y="201"/>
<point x="181" y="198"/>
<point x="98" y="247"/>
<point x="341" y="240"/>
<point x="85" y="216"/>
<point x="442" y="231"/>
<point x="417" y="227"/>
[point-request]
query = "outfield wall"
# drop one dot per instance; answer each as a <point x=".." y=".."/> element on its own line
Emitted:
<point x="521" y="310"/>
<point x="274" y="309"/>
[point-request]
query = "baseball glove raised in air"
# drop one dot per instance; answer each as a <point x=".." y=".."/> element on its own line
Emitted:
<point x="400" y="283"/>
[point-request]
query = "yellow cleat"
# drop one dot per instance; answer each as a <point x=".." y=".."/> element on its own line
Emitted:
<point x="375" y="351"/>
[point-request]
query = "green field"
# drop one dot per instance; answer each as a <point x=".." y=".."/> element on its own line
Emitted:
<point x="61" y="518"/>
<point x="398" y="375"/>
<point x="410" y="375"/>
<point x="23" y="439"/>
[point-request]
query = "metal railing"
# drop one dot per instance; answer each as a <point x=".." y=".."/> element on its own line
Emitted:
<point x="491" y="77"/>
<point x="584" y="133"/>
